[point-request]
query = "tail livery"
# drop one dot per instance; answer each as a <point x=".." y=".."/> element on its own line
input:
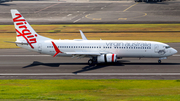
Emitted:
<point x="25" y="33"/>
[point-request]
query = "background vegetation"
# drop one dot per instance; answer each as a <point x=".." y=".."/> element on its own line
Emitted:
<point x="153" y="32"/>
<point x="90" y="90"/>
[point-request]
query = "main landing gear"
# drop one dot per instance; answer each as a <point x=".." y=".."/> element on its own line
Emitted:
<point x="92" y="61"/>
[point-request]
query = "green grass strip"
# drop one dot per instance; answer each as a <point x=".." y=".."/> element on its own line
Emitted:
<point x="152" y="32"/>
<point x="90" y="90"/>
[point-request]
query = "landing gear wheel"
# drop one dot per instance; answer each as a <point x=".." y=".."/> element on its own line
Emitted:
<point x="91" y="62"/>
<point x="159" y="61"/>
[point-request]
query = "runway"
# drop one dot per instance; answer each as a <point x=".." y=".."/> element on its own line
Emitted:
<point x="94" y="12"/>
<point x="24" y="64"/>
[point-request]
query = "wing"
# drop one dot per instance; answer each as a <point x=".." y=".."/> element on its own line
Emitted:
<point x="85" y="54"/>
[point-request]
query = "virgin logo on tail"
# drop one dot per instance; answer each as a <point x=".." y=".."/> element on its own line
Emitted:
<point x="26" y="33"/>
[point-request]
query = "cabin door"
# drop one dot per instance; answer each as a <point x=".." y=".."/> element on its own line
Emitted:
<point x="156" y="48"/>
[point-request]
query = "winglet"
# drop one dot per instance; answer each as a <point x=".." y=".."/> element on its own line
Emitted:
<point x="83" y="36"/>
<point x="56" y="49"/>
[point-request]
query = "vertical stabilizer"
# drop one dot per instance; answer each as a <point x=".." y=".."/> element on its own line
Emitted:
<point x="25" y="33"/>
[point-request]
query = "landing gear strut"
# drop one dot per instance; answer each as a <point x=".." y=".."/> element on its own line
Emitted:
<point x="159" y="61"/>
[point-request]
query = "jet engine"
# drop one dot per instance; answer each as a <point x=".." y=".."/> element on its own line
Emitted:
<point x="107" y="58"/>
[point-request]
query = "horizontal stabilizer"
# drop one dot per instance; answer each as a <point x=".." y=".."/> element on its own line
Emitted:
<point x="17" y="42"/>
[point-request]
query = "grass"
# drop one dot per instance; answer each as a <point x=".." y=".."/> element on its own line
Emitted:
<point x="152" y="32"/>
<point x="90" y="90"/>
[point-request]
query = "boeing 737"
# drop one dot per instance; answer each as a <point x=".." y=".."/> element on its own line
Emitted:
<point x="99" y="51"/>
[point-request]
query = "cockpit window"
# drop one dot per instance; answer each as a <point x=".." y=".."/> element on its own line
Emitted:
<point x="167" y="47"/>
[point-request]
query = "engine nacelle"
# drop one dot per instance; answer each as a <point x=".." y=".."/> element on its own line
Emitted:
<point x="107" y="58"/>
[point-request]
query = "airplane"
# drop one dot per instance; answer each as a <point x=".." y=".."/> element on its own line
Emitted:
<point x="99" y="51"/>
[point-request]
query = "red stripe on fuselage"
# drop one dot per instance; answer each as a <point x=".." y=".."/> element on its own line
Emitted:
<point x="112" y="57"/>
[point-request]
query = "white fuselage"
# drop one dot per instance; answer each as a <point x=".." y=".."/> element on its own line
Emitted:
<point x="134" y="49"/>
<point x="100" y="51"/>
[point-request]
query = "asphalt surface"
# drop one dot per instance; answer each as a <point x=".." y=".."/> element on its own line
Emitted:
<point x="37" y="12"/>
<point x="24" y="64"/>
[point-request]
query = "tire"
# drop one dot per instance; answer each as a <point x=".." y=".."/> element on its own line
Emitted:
<point x="159" y="61"/>
<point x="91" y="62"/>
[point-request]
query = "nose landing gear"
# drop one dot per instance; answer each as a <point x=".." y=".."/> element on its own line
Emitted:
<point x="159" y="61"/>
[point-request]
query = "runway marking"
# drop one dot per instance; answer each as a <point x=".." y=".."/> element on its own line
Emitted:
<point x="47" y="7"/>
<point x="122" y="19"/>
<point x="69" y="14"/>
<point x="40" y="55"/>
<point x="92" y="18"/>
<point x="96" y="18"/>
<point x="87" y="74"/>
<point x="177" y="55"/>
<point x="145" y="14"/>
<point x="23" y="55"/>
<point x="77" y="20"/>
<point x="130" y="7"/>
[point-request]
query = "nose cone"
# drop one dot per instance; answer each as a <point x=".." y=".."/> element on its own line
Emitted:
<point x="173" y="51"/>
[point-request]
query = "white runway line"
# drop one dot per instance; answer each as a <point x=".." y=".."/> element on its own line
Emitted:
<point x="176" y="55"/>
<point x="88" y="74"/>
<point x="77" y="20"/>
<point x="23" y="55"/>
<point x="39" y="55"/>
